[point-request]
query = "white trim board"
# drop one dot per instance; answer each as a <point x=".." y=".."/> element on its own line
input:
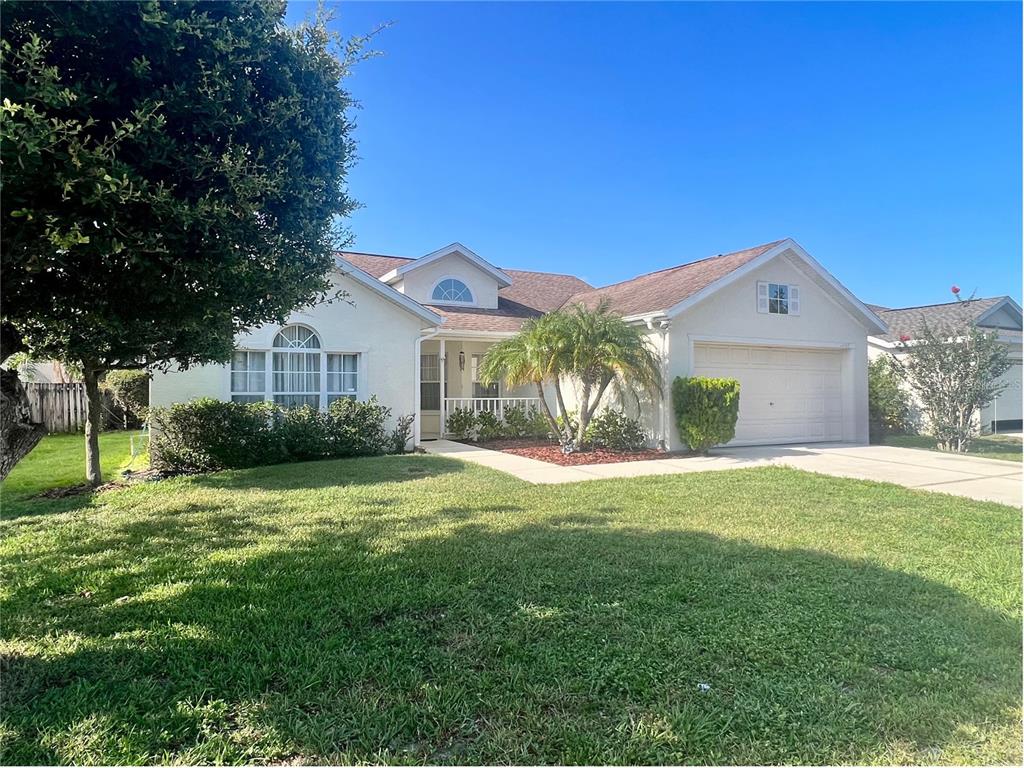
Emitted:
<point x="348" y="269"/>
<point x="457" y="249"/>
<point x="856" y="307"/>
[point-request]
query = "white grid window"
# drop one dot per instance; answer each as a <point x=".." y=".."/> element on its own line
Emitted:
<point x="296" y="372"/>
<point x="452" y="290"/>
<point x="430" y="382"/>
<point x="479" y="389"/>
<point x="778" y="298"/>
<point x="342" y="377"/>
<point x="248" y="376"/>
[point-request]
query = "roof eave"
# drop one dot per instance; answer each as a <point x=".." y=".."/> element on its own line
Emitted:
<point x="387" y="292"/>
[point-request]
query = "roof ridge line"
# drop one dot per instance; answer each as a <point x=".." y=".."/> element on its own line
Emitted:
<point x="944" y="303"/>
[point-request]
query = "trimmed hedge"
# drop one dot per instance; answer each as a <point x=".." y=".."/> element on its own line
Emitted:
<point x="706" y="410"/>
<point x="207" y="435"/>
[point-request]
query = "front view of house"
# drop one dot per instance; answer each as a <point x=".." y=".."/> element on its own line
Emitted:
<point x="412" y="332"/>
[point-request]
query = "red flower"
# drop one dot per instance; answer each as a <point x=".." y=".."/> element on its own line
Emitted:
<point x="955" y="289"/>
<point x="904" y="337"/>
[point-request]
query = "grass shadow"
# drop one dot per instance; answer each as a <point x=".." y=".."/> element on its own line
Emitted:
<point x="504" y="643"/>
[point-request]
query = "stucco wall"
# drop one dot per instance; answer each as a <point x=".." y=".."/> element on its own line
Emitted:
<point x="731" y="314"/>
<point x="419" y="283"/>
<point x="380" y="331"/>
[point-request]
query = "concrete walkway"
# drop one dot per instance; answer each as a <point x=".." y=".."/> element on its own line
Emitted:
<point x="975" y="478"/>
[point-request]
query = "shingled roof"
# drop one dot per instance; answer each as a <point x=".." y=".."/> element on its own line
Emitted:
<point x="530" y="295"/>
<point x="658" y="291"/>
<point x="909" y="320"/>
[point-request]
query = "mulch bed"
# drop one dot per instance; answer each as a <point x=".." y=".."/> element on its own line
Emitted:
<point x="552" y="453"/>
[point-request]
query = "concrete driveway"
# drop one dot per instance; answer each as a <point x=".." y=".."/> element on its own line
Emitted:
<point x="983" y="479"/>
<point x="975" y="478"/>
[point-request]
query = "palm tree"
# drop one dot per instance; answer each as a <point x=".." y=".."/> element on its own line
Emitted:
<point x="533" y="356"/>
<point x="606" y="351"/>
<point x="596" y="347"/>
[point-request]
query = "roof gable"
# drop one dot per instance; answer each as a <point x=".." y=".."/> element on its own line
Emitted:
<point x="455" y="249"/>
<point x="676" y="289"/>
<point x="908" y="320"/>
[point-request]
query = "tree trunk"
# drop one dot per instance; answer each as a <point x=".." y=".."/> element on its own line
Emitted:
<point x="18" y="434"/>
<point x="552" y="422"/>
<point x="93" y="425"/>
<point x="565" y="434"/>
<point x="581" y="428"/>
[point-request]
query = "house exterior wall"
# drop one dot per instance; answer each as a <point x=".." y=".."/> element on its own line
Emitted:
<point x="418" y="284"/>
<point x="730" y="315"/>
<point x="382" y="333"/>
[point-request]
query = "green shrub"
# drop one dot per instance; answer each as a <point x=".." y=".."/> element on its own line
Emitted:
<point x="616" y="431"/>
<point x="130" y="390"/>
<point x="523" y="422"/>
<point x="461" y="424"/>
<point x="888" y="402"/>
<point x="357" y="427"/>
<point x="402" y="432"/>
<point x="305" y="433"/>
<point x="706" y="410"/>
<point x="207" y="434"/>
<point x="489" y="426"/>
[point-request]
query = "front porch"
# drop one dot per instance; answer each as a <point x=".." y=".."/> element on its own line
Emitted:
<point x="449" y="380"/>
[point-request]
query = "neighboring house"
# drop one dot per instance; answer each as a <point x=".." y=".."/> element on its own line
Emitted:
<point x="1000" y="314"/>
<point x="414" y="331"/>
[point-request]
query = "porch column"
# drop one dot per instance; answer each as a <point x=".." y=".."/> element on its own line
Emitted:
<point x="442" y="387"/>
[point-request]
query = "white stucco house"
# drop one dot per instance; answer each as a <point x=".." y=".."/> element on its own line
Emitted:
<point x="1000" y="314"/>
<point x="414" y="331"/>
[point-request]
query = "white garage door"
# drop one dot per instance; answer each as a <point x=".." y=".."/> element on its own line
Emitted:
<point x="787" y="395"/>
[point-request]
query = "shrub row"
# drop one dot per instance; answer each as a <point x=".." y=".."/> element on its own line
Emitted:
<point x="206" y="435"/>
<point x="611" y="429"/>
<point x="518" y="422"/>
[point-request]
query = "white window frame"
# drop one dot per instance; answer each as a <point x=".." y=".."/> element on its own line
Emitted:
<point x="474" y="376"/>
<point x="439" y="381"/>
<point x="437" y="284"/>
<point x="324" y="394"/>
<point x="247" y="372"/>
<point x="764" y="302"/>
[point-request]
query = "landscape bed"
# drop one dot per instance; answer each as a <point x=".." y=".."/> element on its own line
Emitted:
<point x="551" y="452"/>
<point x="411" y="609"/>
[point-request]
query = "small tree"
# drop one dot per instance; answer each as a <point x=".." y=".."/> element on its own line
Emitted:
<point x="172" y="174"/>
<point x="954" y="370"/>
<point x="888" y="402"/>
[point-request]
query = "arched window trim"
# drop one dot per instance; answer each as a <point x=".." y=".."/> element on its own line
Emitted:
<point x="322" y="375"/>
<point x="437" y="285"/>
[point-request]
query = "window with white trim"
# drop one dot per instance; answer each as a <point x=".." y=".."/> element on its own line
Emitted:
<point x="430" y="382"/>
<point x="778" y="298"/>
<point x="452" y="290"/>
<point x="296" y="367"/>
<point x="248" y="376"/>
<point x="342" y="377"/>
<point x="479" y="389"/>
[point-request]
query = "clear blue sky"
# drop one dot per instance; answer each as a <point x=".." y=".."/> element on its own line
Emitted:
<point x="607" y="140"/>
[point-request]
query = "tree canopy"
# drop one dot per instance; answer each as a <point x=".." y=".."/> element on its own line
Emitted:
<point x="172" y="174"/>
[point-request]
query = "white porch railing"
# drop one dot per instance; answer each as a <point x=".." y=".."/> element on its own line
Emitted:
<point x="495" y="405"/>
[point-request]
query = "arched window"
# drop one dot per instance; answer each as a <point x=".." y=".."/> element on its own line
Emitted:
<point x="296" y="367"/>
<point x="451" y="289"/>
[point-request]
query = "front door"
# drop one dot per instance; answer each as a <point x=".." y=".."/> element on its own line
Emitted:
<point x="431" y="395"/>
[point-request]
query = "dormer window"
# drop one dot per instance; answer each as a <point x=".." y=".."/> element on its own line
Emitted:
<point x="452" y="291"/>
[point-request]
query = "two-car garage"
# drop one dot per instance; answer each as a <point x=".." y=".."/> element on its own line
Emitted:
<point x="787" y="394"/>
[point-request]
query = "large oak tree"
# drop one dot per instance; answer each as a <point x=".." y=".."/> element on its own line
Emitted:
<point x="171" y="174"/>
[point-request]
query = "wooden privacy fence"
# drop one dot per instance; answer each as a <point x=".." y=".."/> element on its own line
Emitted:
<point x="60" y="407"/>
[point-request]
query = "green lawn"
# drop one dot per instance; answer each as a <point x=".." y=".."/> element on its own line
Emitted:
<point x="59" y="460"/>
<point x="416" y="609"/>
<point x="991" y="447"/>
